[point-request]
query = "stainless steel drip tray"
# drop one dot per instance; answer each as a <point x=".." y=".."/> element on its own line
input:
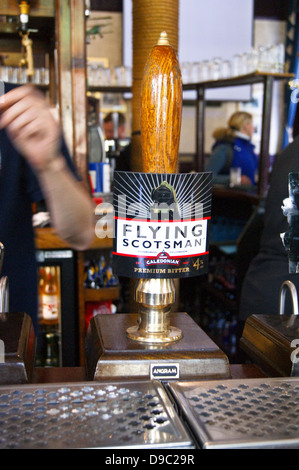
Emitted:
<point x="252" y="413"/>
<point x="89" y="415"/>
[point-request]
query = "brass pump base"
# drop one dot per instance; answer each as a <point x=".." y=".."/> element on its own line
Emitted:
<point x="150" y="331"/>
<point x="155" y="297"/>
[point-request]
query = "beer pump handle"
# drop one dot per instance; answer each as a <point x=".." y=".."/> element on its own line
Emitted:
<point x="161" y="109"/>
<point x="161" y="113"/>
<point x="27" y="43"/>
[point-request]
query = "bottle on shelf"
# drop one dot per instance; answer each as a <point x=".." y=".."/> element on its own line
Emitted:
<point x="52" y="349"/>
<point x="49" y="312"/>
<point x="50" y="296"/>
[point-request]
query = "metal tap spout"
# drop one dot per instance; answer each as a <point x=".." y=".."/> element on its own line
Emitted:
<point x="4" y="292"/>
<point x="288" y="285"/>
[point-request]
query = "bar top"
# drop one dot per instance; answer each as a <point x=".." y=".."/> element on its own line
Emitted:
<point x="78" y="374"/>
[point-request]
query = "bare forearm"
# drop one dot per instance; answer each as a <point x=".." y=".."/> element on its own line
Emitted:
<point x="35" y="133"/>
<point x="69" y="204"/>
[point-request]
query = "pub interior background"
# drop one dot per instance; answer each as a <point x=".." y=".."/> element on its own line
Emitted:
<point x="211" y="300"/>
<point x="100" y="379"/>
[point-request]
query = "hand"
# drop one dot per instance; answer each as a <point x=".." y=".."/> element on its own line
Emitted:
<point x="30" y="125"/>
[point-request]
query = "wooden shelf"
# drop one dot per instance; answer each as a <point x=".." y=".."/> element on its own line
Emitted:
<point x="104" y="293"/>
<point x="248" y="79"/>
<point x="267" y="80"/>
<point x="109" y="89"/>
<point x="47" y="239"/>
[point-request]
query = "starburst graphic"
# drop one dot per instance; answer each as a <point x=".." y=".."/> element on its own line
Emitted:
<point x="193" y="194"/>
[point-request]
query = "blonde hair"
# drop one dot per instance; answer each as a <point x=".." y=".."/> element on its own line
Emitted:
<point x="235" y="123"/>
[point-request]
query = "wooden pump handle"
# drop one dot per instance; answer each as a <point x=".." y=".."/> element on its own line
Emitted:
<point x="161" y="109"/>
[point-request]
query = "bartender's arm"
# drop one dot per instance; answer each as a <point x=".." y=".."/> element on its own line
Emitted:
<point x="36" y="134"/>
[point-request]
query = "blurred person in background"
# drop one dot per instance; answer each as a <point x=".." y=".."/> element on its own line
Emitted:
<point x="233" y="149"/>
<point x="109" y="126"/>
<point x="270" y="267"/>
<point x="122" y="152"/>
<point x="35" y="166"/>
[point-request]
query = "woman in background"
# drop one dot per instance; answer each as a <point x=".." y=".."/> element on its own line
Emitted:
<point x="233" y="148"/>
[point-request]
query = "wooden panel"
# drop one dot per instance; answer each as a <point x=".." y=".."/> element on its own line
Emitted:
<point x="78" y="53"/>
<point x="81" y="306"/>
<point x="47" y="239"/>
<point x="108" y="347"/>
<point x="99" y="295"/>
<point x="78" y="374"/>
<point x="267" y="339"/>
<point x="71" y="55"/>
<point x="64" y="75"/>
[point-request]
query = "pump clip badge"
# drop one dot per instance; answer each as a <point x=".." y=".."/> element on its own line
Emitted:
<point x="161" y="224"/>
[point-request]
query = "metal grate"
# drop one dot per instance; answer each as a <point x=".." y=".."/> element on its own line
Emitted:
<point x="241" y="414"/>
<point x="99" y="415"/>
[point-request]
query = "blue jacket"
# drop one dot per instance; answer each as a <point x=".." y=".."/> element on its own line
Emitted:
<point x="245" y="158"/>
<point x="237" y="153"/>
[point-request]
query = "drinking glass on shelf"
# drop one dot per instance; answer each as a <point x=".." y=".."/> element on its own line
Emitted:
<point x="21" y="75"/>
<point x="244" y="70"/>
<point x="277" y="58"/>
<point x="235" y="176"/>
<point x="12" y="74"/>
<point x="252" y="61"/>
<point x="263" y="62"/>
<point x="104" y="76"/>
<point x="113" y="76"/>
<point x="3" y="73"/>
<point x="215" y="68"/>
<point x="226" y="69"/>
<point x="185" y="70"/>
<point x="123" y="75"/>
<point x="91" y="74"/>
<point x="236" y="65"/>
<point x="44" y="76"/>
<point x="119" y="75"/>
<point x="36" y="76"/>
<point x="281" y="57"/>
<point x="203" y="71"/>
<point x="128" y="76"/>
<point x="194" y="72"/>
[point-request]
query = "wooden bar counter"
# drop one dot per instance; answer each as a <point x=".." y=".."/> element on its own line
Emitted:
<point x="78" y="374"/>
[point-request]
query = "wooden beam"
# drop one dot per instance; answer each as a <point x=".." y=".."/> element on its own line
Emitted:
<point x="64" y="73"/>
<point x="78" y="53"/>
<point x="71" y="60"/>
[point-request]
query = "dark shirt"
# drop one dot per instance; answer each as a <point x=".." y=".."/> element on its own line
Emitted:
<point x="19" y="188"/>
<point x="270" y="268"/>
